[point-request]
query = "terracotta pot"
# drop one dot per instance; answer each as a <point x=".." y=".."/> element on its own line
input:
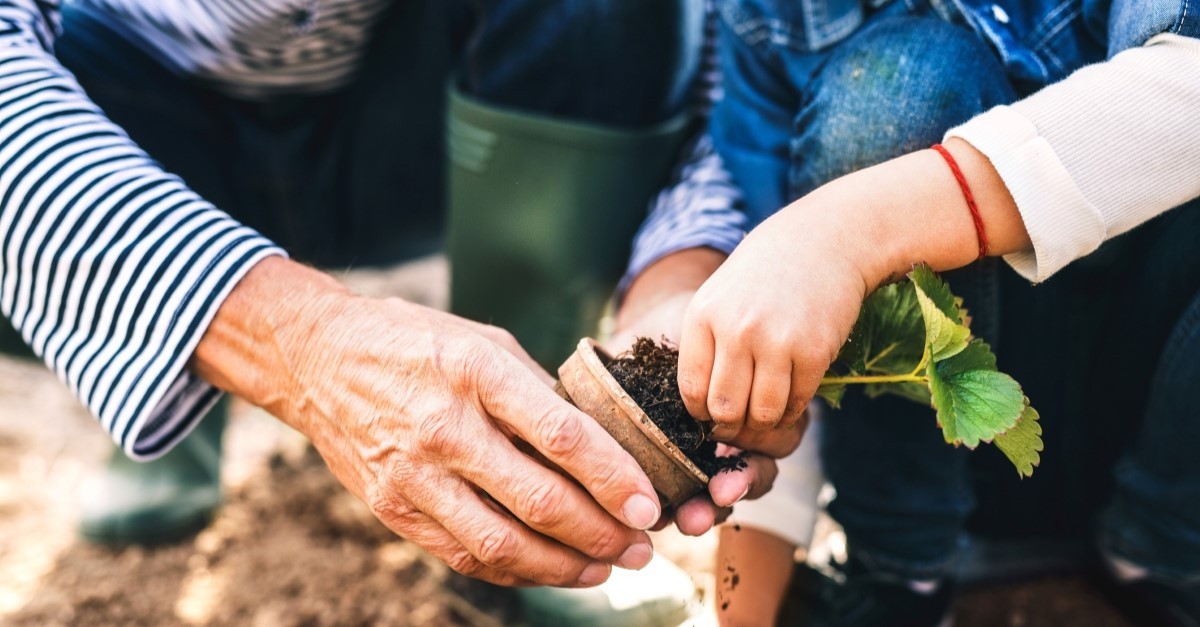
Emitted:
<point x="585" y="382"/>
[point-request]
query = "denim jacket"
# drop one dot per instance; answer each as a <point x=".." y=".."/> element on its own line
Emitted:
<point x="1039" y="41"/>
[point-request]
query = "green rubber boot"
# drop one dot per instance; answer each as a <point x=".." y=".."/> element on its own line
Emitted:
<point x="541" y="215"/>
<point x="161" y="501"/>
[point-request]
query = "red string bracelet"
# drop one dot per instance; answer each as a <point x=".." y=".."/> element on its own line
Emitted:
<point x="966" y="190"/>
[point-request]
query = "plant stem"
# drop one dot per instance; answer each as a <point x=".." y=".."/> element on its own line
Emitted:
<point x="921" y="364"/>
<point x="883" y="378"/>
<point x="883" y="353"/>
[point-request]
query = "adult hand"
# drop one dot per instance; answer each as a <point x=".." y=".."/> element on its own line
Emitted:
<point x="416" y="412"/>
<point x="654" y="307"/>
<point x="763" y="330"/>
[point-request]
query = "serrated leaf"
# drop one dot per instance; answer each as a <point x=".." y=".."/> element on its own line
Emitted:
<point x="977" y="356"/>
<point x="832" y="393"/>
<point x="944" y="336"/>
<point x="974" y="402"/>
<point x="1022" y="443"/>
<point x="927" y="281"/>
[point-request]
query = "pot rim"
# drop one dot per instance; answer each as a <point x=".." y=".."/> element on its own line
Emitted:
<point x="590" y="351"/>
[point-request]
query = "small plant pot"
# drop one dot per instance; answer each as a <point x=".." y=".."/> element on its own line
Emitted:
<point x="585" y="382"/>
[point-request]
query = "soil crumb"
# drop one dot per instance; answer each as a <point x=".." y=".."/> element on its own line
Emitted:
<point x="650" y="374"/>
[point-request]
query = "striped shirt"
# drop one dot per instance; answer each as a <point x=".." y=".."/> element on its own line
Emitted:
<point x="112" y="268"/>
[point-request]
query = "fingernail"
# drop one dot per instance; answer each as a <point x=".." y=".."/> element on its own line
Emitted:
<point x="640" y="512"/>
<point x="636" y="557"/>
<point x="594" y="574"/>
<point x="730" y="503"/>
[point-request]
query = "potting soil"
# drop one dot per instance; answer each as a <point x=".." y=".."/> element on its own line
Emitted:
<point x="649" y="373"/>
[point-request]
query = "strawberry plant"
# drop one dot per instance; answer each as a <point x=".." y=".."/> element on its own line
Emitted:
<point x="913" y="339"/>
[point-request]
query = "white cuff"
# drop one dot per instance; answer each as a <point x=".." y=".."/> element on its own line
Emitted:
<point x="1062" y="224"/>
<point x="1098" y="153"/>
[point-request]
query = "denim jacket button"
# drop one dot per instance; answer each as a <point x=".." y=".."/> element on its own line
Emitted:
<point x="1000" y="14"/>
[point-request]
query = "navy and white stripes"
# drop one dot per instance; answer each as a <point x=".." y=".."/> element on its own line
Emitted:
<point x="111" y="269"/>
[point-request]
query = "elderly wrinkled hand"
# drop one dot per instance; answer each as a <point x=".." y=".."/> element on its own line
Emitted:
<point x="420" y="415"/>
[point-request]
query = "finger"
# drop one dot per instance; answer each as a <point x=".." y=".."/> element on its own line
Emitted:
<point x="776" y="443"/>
<point x="750" y="482"/>
<point x="729" y="389"/>
<point x="697" y="515"/>
<point x="770" y="391"/>
<point x="557" y="507"/>
<point x="797" y="398"/>
<point x="505" y="339"/>
<point x="496" y="541"/>
<point x="804" y="385"/>
<point x="696" y="352"/>
<point x="425" y="532"/>
<point x="575" y="443"/>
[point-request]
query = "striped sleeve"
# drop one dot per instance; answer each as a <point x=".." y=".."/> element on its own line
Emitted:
<point x="111" y="268"/>
<point x="698" y="209"/>
<point x="701" y="206"/>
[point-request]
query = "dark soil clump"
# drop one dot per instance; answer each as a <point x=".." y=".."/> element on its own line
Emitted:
<point x="649" y="373"/>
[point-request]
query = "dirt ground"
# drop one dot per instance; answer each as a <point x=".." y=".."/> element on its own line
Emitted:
<point x="290" y="547"/>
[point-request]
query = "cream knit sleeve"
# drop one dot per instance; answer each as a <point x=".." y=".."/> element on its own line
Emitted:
<point x="1098" y="153"/>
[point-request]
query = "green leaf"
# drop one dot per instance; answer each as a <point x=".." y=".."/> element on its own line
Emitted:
<point x="888" y="339"/>
<point x="974" y="402"/>
<point x="832" y="393"/>
<point x="889" y="333"/>
<point x="916" y="392"/>
<point x="937" y="291"/>
<point x="945" y="335"/>
<point x="1023" y="442"/>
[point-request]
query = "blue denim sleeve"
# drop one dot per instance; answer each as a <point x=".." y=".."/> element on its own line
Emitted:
<point x="1132" y="22"/>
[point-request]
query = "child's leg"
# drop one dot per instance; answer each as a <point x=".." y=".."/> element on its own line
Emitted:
<point x="753" y="569"/>
<point x="756" y="548"/>
<point x="893" y="87"/>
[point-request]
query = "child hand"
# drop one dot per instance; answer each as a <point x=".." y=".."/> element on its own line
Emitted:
<point x="761" y="332"/>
